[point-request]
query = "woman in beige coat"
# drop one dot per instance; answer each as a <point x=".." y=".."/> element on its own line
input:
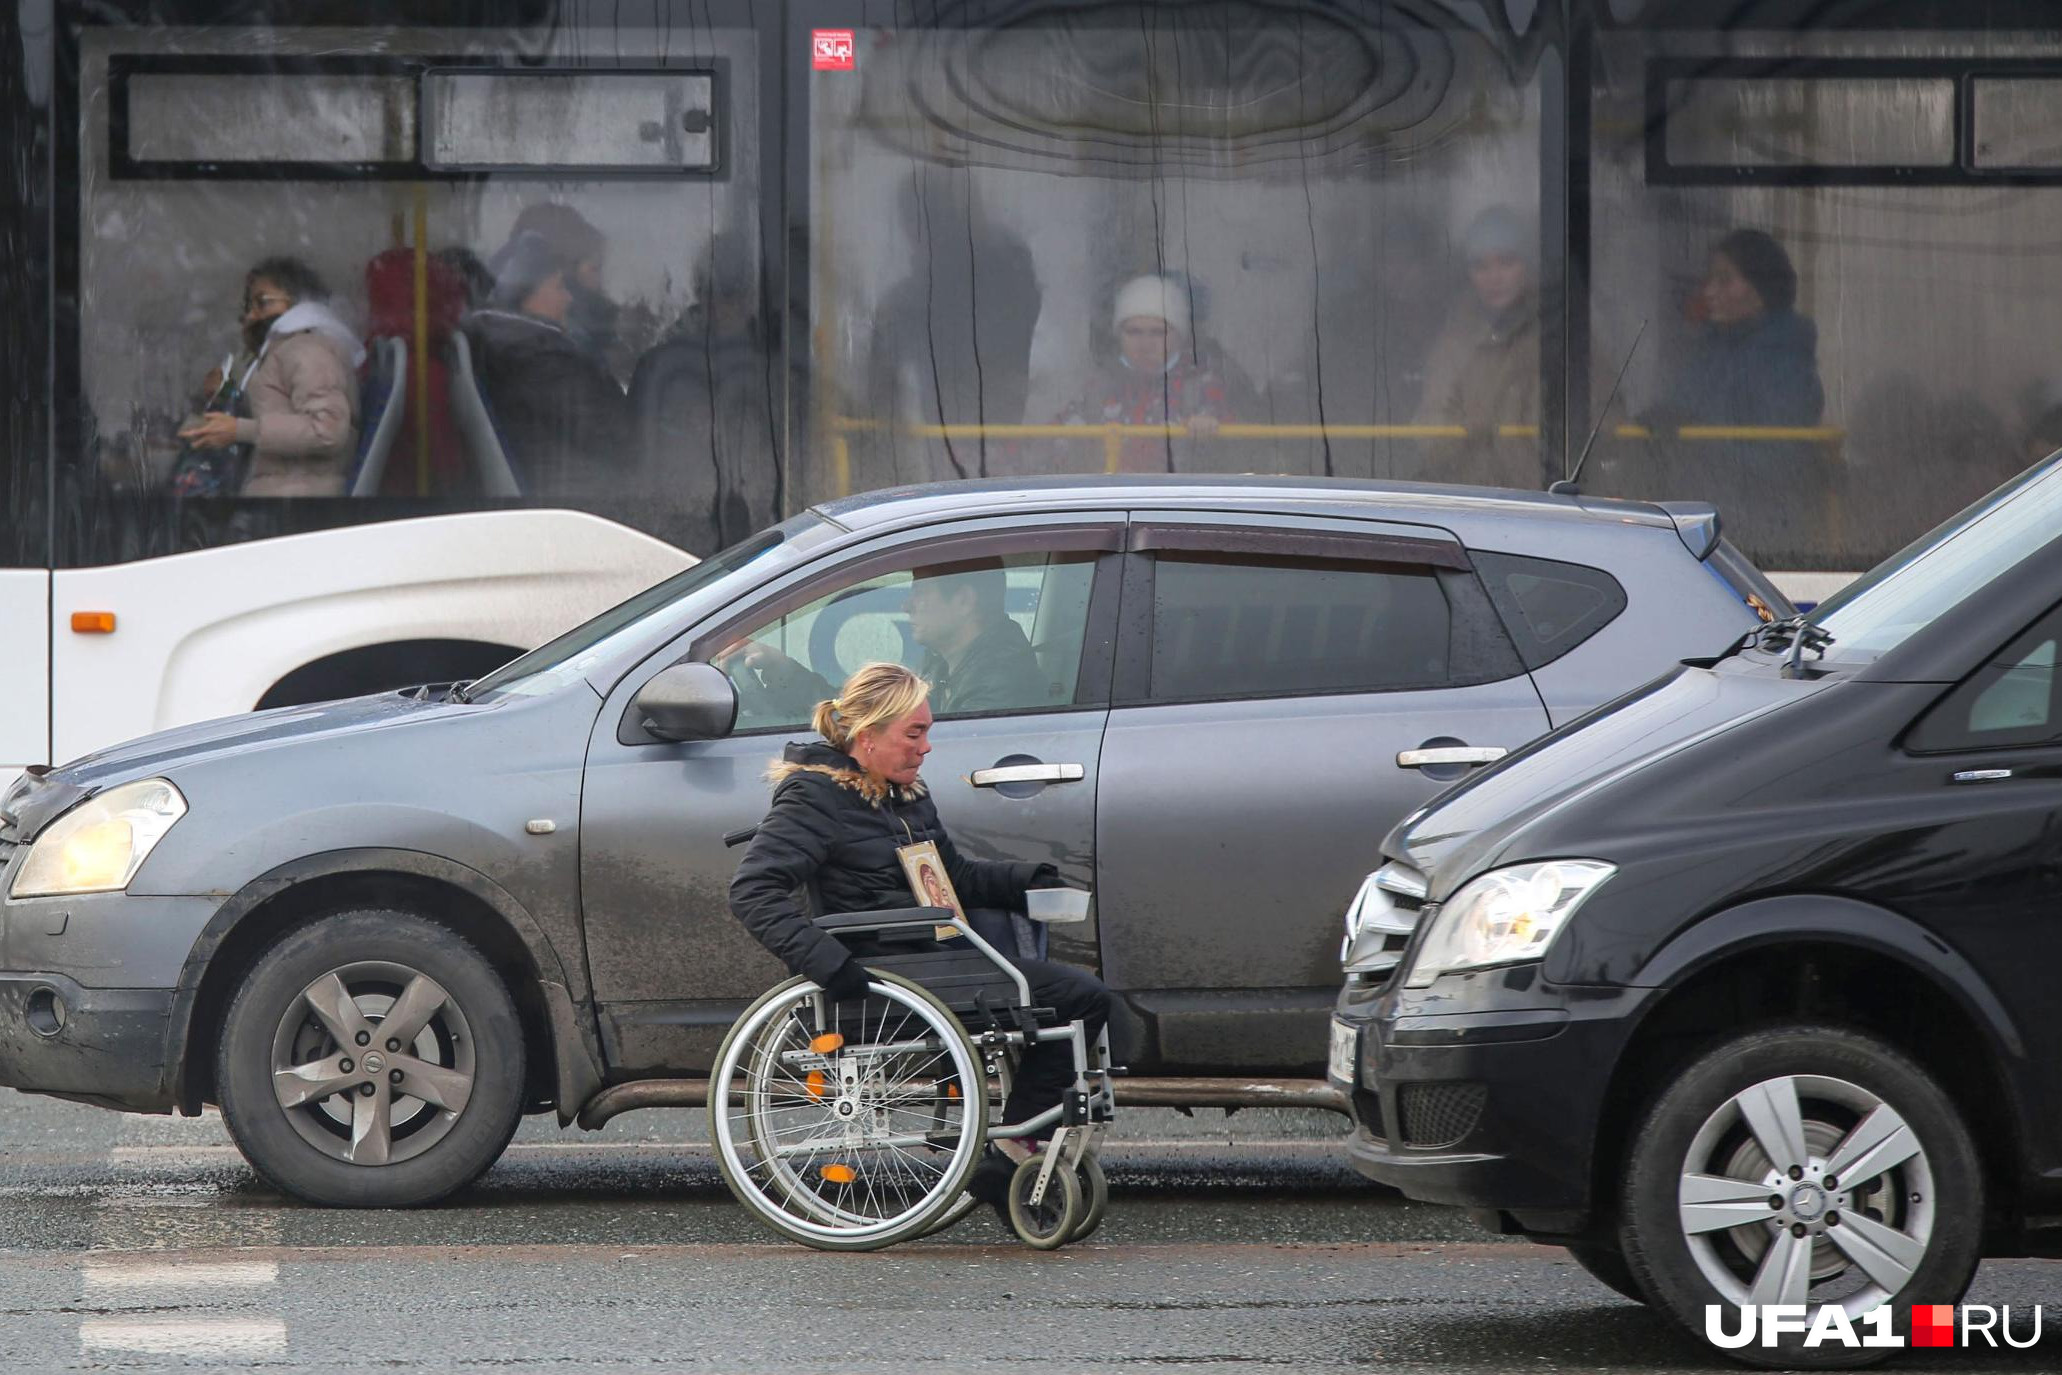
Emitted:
<point x="300" y="394"/>
<point x="1484" y="368"/>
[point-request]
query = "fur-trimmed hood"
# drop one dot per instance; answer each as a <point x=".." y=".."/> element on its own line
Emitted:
<point x="816" y="756"/>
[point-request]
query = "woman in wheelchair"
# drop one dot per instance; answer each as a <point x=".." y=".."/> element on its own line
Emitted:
<point x="851" y="1106"/>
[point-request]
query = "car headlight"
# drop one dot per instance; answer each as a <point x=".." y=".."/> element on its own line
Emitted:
<point x="1505" y="916"/>
<point x="98" y="846"/>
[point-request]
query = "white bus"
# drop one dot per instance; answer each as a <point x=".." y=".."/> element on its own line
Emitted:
<point x="773" y="252"/>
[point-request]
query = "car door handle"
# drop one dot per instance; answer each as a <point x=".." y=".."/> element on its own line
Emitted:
<point x="1029" y="773"/>
<point x="1451" y="754"/>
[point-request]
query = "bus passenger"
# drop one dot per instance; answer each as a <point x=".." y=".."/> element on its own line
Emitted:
<point x="704" y="401"/>
<point x="1754" y="361"/>
<point x="562" y="419"/>
<point x="300" y="392"/>
<point x="591" y="318"/>
<point x="1483" y="371"/>
<point x="1156" y="378"/>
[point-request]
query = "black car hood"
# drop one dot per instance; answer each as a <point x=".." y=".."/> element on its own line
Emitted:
<point x="1470" y="828"/>
<point x="40" y="796"/>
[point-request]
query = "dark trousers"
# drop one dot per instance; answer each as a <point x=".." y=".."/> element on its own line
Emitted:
<point x="1047" y="1069"/>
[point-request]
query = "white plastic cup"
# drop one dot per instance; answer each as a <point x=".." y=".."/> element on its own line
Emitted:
<point x="1057" y="906"/>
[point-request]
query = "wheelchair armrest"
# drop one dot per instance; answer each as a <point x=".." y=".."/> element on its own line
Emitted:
<point x="887" y="919"/>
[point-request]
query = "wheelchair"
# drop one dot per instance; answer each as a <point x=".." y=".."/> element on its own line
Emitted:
<point x="854" y="1126"/>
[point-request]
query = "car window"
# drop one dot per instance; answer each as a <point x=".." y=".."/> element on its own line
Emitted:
<point x="1946" y="567"/>
<point x="1244" y="625"/>
<point x="1549" y="607"/>
<point x="560" y="661"/>
<point x="992" y="635"/>
<point x="2009" y="701"/>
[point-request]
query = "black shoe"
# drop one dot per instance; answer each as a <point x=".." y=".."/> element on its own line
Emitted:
<point x="990" y="1182"/>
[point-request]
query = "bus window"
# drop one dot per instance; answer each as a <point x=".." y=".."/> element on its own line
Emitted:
<point x="387" y="271"/>
<point x="1221" y="237"/>
<point x="1848" y="319"/>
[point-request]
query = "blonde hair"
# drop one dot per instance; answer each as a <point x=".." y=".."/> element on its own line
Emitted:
<point x="875" y="695"/>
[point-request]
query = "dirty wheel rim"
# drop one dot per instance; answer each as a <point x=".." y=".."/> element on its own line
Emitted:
<point x="1806" y="1189"/>
<point x="373" y="1063"/>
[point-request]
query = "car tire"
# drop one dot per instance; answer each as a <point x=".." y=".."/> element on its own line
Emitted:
<point x="325" y="1108"/>
<point x="1706" y="1152"/>
<point x="1608" y="1268"/>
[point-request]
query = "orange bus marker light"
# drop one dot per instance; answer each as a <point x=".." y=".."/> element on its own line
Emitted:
<point x="93" y="623"/>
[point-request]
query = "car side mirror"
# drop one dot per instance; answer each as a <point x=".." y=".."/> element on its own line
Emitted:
<point x="687" y="702"/>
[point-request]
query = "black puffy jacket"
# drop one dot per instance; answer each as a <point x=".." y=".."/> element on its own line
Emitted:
<point x="832" y="825"/>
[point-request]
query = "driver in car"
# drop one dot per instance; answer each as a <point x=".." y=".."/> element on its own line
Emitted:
<point x="975" y="657"/>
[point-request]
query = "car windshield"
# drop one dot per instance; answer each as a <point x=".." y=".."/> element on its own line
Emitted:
<point x="1945" y="567"/>
<point x="569" y="656"/>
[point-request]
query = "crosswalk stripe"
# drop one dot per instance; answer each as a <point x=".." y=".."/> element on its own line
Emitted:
<point x="127" y="1275"/>
<point x="184" y="1336"/>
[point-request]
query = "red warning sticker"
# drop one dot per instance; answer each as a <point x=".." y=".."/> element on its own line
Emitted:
<point x="830" y="50"/>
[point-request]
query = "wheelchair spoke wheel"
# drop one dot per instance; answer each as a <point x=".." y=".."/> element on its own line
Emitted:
<point x="848" y="1126"/>
<point x="1049" y="1224"/>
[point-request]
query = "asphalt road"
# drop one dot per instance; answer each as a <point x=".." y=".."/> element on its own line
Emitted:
<point x="131" y="1243"/>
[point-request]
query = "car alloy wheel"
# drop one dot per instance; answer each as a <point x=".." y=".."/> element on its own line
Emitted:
<point x="373" y="1063"/>
<point x="1804" y="1187"/>
<point x="1809" y="1165"/>
<point x="371" y="1058"/>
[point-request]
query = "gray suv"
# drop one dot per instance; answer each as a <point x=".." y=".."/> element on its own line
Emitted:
<point x="377" y="931"/>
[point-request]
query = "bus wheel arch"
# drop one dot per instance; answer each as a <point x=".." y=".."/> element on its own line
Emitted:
<point x="383" y="667"/>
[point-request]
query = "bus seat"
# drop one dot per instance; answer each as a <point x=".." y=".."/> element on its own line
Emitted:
<point x="385" y="399"/>
<point x="391" y="304"/>
<point x="476" y="426"/>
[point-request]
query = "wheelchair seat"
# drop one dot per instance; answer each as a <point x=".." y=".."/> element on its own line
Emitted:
<point x="903" y="942"/>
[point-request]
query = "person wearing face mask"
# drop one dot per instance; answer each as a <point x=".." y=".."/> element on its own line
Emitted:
<point x="562" y="419"/>
<point x="1155" y="379"/>
<point x="300" y="391"/>
<point x="1483" y="372"/>
<point x="843" y="806"/>
<point x="1753" y="360"/>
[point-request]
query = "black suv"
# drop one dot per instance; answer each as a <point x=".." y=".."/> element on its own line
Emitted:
<point x="1742" y="986"/>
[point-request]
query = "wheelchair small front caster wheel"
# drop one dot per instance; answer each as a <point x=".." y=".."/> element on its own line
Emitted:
<point x="1095" y="1193"/>
<point x="1049" y="1225"/>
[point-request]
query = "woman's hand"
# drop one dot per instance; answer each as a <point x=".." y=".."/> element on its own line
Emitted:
<point x="212" y="431"/>
<point x="849" y="983"/>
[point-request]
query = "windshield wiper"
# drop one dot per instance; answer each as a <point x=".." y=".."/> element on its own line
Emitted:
<point x="1797" y="634"/>
<point x="459" y="690"/>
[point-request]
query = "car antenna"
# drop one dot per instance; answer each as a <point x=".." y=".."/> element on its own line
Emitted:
<point x="1566" y="486"/>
